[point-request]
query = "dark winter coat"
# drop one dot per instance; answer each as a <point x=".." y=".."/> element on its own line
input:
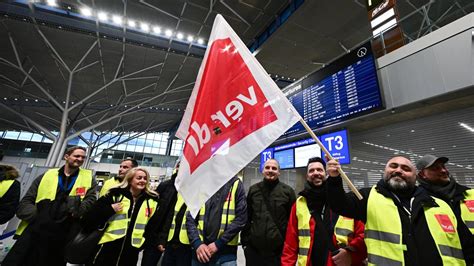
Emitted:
<point x="9" y="202"/>
<point x="262" y="232"/>
<point x="120" y="251"/>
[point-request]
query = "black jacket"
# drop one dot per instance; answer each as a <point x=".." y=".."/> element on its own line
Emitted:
<point x="9" y="202"/>
<point x="212" y="220"/>
<point x="262" y="232"/>
<point x="168" y="198"/>
<point x="120" y="251"/>
<point x="421" y="248"/>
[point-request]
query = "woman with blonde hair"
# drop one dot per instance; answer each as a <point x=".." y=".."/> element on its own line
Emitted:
<point x="128" y="212"/>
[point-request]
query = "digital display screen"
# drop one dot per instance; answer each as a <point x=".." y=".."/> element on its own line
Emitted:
<point x="296" y="154"/>
<point x="285" y="158"/>
<point x="346" y="88"/>
<point x="303" y="154"/>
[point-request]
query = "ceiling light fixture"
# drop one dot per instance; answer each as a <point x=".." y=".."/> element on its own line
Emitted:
<point x="102" y="16"/>
<point x="200" y="41"/>
<point x="157" y="30"/>
<point x="179" y="36"/>
<point x="132" y="23"/>
<point x="145" y="27"/>
<point x="51" y="3"/>
<point x="87" y="12"/>
<point x="117" y="20"/>
<point x="168" y="33"/>
<point x="466" y="126"/>
<point x="190" y="38"/>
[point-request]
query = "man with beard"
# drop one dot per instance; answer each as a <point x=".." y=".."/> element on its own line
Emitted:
<point x="268" y="204"/>
<point x="403" y="224"/>
<point x="125" y="165"/>
<point x="50" y="212"/>
<point x="316" y="236"/>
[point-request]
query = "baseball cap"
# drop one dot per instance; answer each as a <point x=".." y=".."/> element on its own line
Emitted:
<point x="428" y="160"/>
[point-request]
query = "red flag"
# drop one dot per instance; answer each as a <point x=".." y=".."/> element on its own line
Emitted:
<point x="235" y="111"/>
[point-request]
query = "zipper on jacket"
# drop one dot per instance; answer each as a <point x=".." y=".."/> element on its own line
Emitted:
<point x="125" y="238"/>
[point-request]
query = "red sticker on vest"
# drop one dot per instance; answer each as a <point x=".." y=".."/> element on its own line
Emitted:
<point x="229" y="196"/>
<point x="470" y="205"/>
<point x="81" y="191"/>
<point x="148" y="212"/>
<point x="445" y="223"/>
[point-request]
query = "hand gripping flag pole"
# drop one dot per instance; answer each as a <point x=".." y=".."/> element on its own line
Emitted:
<point x="328" y="154"/>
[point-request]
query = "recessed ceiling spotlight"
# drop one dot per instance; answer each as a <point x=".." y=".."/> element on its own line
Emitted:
<point x="168" y="33"/>
<point x="26" y="99"/>
<point x="51" y="2"/>
<point x="86" y="11"/>
<point x="190" y="38"/>
<point x="157" y="30"/>
<point x="102" y="16"/>
<point x="145" y="27"/>
<point x="36" y="100"/>
<point x="132" y="23"/>
<point x="179" y="35"/>
<point x="117" y="20"/>
<point x="200" y="41"/>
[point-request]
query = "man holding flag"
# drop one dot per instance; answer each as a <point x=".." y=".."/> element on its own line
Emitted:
<point x="235" y="111"/>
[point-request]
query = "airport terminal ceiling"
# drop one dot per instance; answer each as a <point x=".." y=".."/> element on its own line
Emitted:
<point x="129" y="83"/>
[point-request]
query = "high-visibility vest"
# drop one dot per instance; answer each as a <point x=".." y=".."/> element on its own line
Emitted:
<point x="343" y="229"/>
<point x="118" y="223"/>
<point x="5" y="186"/>
<point x="109" y="183"/>
<point x="183" y="233"/>
<point x="228" y="215"/>
<point x="467" y="209"/>
<point x="304" y="231"/>
<point x="383" y="232"/>
<point x="49" y="185"/>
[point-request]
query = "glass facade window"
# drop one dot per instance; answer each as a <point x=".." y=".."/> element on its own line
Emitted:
<point x="149" y="143"/>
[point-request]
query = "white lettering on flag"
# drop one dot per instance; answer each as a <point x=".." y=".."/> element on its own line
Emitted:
<point x="235" y="111"/>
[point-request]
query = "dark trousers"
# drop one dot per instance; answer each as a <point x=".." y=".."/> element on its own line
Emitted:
<point x="151" y="256"/>
<point x="177" y="255"/>
<point x="254" y="257"/>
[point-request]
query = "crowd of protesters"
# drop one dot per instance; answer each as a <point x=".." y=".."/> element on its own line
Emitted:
<point x="417" y="214"/>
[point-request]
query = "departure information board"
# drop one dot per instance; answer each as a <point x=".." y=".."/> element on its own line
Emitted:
<point x="346" y="88"/>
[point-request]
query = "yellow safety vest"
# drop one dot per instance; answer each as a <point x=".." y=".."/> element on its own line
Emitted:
<point x="228" y="215"/>
<point x="109" y="183"/>
<point x="49" y="185"/>
<point x="304" y="231"/>
<point x="383" y="232"/>
<point x="118" y="223"/>
<point x="183" y="233"/>
<point x="467" y="209"/>
<point x="5" y="186"/>
<point x="343" y="229"/>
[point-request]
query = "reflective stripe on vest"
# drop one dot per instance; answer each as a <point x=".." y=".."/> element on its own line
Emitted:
<point x="343" y="229"/>
<point x="445" y="233"/>
<point x="304" y="232"/>
<point x="111" y="182"/>
<point x="383" y="232"/>
<point x="144" y="215"/>
<point x="467" y="209"/>
<point x="5" y="186"/>
<point x="117" y="224"/>
<point x="49" y="185"/>
<point x="228" y="215"/>
<point x="183" y="234"/>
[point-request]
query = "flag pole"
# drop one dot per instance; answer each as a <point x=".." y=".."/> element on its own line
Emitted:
<point x="341" y="172"/>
